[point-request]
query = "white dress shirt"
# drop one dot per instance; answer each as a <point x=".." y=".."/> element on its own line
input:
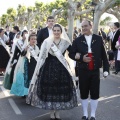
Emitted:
<point x="50" y="31"/>
<point x="89" y="40"/>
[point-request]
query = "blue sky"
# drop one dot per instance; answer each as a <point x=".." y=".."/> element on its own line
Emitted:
<point x="5" y="4"/>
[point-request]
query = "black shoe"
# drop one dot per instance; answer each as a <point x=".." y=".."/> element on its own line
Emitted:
<point x="115" y="72"/>
<point x="58" y="119"/>
<point x="52" y="119"/>
<point x="24" y="96"/>
<point x="1" y="74"/>
<point x="92" y="118"/>
<point x="84" y="118"/>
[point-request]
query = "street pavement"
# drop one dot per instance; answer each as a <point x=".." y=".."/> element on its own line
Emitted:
<point x="15" y="108"/>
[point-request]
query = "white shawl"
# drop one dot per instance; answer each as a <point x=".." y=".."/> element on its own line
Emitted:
<point x="20" y="63"/>
<point x="45" y="49"/>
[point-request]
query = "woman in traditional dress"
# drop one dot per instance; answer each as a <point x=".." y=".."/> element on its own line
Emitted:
<point x="9" y="74"/>
<point x="4" y="53"/>
<point x="34" y="52"/>
<point x="53" y="88"/>
<point x="118" y="53"/>
<point x="25" y="68"/>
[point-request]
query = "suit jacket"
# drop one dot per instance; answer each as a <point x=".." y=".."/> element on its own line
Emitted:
<point x="115" y="39"/>
<point x="98" y="50"/>
<point x="42" y="35"/>
<point x="11" y="37"/>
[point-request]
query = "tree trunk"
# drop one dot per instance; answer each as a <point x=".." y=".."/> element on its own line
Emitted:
<point x="70" y="27"/>
<point x="97" y="16"/>
<point x="21" y="26"/>
<point x="38" y="24"/>
<point x="29" y="25"/>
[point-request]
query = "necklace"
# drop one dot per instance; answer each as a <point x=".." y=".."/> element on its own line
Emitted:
<point x="57" y="43"/>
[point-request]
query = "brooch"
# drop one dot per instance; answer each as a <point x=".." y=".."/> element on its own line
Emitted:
<point x="93" y="41"/>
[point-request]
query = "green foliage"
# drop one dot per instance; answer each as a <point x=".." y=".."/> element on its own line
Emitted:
<point x="4" y="18"/>
<point x="118" y="2"/>
<point x="38" y="5"/>
<point x="30" y="9"/>
<point x="11" y="14"/>
<point x="105" y="21"/>
<point x="58" y="4"/>
<point x="63" y="22"/>
<point x="21" y="9"/>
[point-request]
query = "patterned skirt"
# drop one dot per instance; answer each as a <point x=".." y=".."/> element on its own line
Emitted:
<point x="19" y="85"/>
<point x="54" y="89"/>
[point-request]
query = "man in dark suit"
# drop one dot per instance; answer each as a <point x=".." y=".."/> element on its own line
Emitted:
<point x="10" y="35"/>
<point x="116" y="35"/>
<point x="45" y="32"/>
<point x="16" y="32"/>
<point x="89" y="51"/>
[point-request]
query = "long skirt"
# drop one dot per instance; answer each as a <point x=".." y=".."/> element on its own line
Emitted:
<point x="8" y="77"/>
<point x="18" y="87"/>
<point x="54" y="89"/>
<point x="4" y="58"/>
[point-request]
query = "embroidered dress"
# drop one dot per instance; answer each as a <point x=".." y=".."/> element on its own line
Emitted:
<point x="9" y="74"/>
<point x="31" y="68"/>
<point x="31" y="65"/>
<point x="21" y="79"/>
<point x="54" y="89"/>
<point x="18" y="87"/>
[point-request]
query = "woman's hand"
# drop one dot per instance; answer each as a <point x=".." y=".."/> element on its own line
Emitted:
<point x="26" y="48"/>
<point x="77" y="56"/>
<point x="11" y="65"/>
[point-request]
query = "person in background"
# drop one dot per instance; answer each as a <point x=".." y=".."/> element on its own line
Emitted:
<point x="38" y="30"/>
<point x="18" y="36"/>
<point x="10" y="35"/>
<point x="118" y="48"/>
<point x="75" y="30"/>
<point x="116" y="35"/>
<point x="8" y="78"/>
<point x="102" y="34"/>
<point x="74" y="36"/>
<point x="45" y="32"/>
<point x="4" y="52"/>
<point x="79" y="32"/>
<point x="15" y="31"/>
<point x="25" y="67"/>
